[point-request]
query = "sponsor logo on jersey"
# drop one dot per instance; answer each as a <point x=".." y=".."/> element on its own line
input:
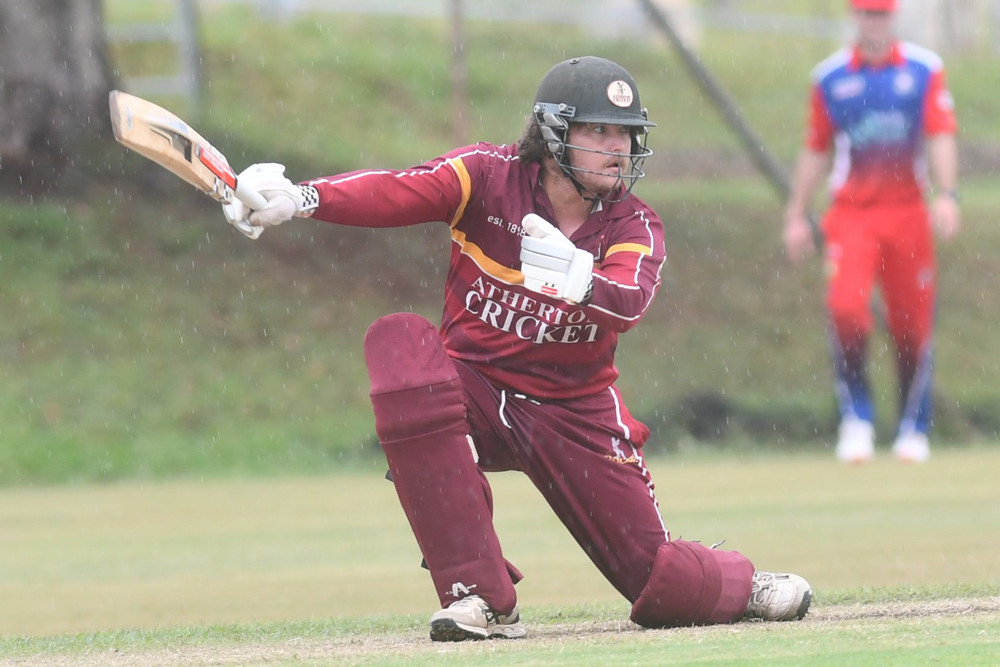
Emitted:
<point x="526" y="317"/>
<point x="879" y="127"/>
<point x="904" y="84"/>
<point x="945" y="101"/>
<point x="850" y="86"/>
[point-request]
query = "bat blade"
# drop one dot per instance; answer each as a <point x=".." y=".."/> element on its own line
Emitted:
<point x="164" y="138"/>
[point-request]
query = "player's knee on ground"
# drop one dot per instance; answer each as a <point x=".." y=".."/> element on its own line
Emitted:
<point x="415" y="389"/>
<point x="692" y="584"/>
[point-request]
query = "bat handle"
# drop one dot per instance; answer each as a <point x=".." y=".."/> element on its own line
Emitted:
<point x="254" y="200"/>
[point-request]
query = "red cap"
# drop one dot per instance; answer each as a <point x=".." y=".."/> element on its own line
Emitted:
<point x="874" y="5"/>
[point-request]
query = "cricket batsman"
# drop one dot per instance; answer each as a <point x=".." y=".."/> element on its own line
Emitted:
<point x="552" y="258"/>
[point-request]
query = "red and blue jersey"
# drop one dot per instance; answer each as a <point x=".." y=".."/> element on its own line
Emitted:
<point x="875" y="118"/>
<point x="523" y="341"/>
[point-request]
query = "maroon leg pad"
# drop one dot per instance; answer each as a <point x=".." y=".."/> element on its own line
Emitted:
<point x="420" y="420"/>
<point x="406" y="359"/>
<point x="693" y="585"/>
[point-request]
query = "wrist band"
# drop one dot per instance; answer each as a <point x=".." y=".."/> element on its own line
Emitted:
<point x="953" y="193"/>
<point x="310" y="201"/>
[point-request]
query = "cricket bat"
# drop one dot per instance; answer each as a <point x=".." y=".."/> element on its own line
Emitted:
<point x="159" y="135"/>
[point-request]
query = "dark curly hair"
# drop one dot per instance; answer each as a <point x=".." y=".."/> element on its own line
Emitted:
<point x="531" y="147"/>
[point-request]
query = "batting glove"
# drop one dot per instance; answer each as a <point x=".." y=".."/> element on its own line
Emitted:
<point x="285" y="199"/>
<point x="552" y="265"/>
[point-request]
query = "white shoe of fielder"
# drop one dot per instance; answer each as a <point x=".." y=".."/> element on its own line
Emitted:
<point x="912" y="447"/>
<point x="473" y="618"/>
<point x="857" y="441"/>
<point x="778" y="597"/>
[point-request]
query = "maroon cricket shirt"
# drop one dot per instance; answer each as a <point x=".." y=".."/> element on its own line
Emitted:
<point x="523" y="341"/>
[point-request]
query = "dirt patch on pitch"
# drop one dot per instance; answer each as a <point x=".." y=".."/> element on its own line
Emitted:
<point x="906" y="610"/>
<point x="344" y="650"/>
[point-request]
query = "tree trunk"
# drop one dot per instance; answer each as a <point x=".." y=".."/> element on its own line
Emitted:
<point x="54" y="84"/>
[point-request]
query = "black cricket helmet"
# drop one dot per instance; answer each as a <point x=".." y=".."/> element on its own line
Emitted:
<point x="591" y="90"/>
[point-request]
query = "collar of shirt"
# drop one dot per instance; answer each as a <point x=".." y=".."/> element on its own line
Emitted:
<point x="894" y="57"/>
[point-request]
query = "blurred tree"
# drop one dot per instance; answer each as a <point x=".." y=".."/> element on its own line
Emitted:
<point x="54" y="82"/>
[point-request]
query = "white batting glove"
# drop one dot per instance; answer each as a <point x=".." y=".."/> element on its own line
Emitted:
<point x="285" y="199"/>
<point x="552" y="265"/>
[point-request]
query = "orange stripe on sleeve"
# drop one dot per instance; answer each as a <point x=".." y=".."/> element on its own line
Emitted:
<point x="629" y="247"/>
<point x="466" y="182"/>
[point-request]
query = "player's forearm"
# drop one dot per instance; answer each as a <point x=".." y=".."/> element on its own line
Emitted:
<point x="384" y="198"/>
<point x="809" y="173"/>
<point x="623" y="292"/>
<point x="942" y="154"/>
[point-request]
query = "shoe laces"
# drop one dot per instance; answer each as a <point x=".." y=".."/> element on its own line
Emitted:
<point x="469" y="601"/>
<point x="473" y="603"/>
<point x="761" y="588"/>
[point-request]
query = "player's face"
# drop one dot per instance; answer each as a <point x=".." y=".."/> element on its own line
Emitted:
<point x="875" y="31"/>
<point x="600" y="154"/>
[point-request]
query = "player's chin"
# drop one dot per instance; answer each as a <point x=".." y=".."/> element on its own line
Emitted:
<point x="606" y="182"/>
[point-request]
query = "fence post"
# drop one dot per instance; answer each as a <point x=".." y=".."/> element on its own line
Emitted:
<point x="182" y="32"/>
<point x="190" y="47"/>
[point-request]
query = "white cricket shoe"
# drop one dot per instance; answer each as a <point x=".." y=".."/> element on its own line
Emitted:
<point x="778" y="597"/>
<point x="473" y="618"/>
<point x="857" y="441"/>
<point x="912" y="447"/>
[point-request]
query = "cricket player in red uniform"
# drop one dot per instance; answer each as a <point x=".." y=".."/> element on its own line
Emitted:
<point x="883" y="110"/>
<point x="551" y="259"/>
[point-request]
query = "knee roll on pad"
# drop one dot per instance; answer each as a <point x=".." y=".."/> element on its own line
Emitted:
<point x="692" y="584"/>
<point x="415" y="389"/>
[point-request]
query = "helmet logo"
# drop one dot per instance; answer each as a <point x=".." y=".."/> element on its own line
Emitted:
<point x="620" y="94"/>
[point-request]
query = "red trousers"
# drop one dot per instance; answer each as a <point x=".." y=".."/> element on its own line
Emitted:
<point x="891" y="247"/>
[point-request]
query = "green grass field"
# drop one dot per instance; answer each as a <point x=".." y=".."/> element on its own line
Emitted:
<point x="216" y="570"/>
